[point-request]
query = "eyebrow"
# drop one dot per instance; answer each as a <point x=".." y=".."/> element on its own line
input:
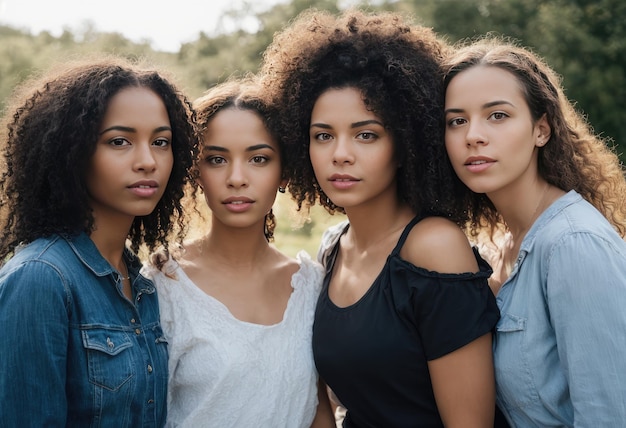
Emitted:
<point x="129" y="129"/>
<point x="248" y="149"/>
<point x="484" y="106"/>
<point x="353" y="125"/>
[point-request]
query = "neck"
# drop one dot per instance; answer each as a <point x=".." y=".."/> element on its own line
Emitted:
<point x="236" y="246"/>
<point x="111" y="242"/>
<point x="519" y="229"/>
<point x="370" y="227"/>
<point x="520" y="207"/>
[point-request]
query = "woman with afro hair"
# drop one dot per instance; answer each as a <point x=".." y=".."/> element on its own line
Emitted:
<point x="96" y="154"/>
<point x="402" y="330"/>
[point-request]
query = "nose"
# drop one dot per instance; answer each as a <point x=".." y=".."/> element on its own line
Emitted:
<point x="343" y="153"/>
<point x="144" y="157"/>
<point x="236" y="175"/>
<point x="475" y="135"/>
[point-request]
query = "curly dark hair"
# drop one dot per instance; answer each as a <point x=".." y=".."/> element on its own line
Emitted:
<point x="573" y="158"/>
<point x="243" y="93"/>
<point x="395" y="64"/>
<point x="52" y="125"/>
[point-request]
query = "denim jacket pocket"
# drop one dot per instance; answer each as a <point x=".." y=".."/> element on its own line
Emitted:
<point x="109" y="357"/>
<point x="515" y="385"/>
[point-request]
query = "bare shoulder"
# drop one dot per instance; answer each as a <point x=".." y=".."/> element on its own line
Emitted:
<point x="438" y="244"/>
<point x="284" y="262"/>
<point x="189" y="254"/>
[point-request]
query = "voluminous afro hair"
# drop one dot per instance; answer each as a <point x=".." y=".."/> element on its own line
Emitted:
<point x="574" y="158"/>
<point x="52" y="125"/>
<point x="244" y="93"/>
<point x="396" y="66"/>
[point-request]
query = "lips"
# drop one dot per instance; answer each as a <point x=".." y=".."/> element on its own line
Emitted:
<point x="478" y="163"/>
<point x="144" y="188"/>
<point x="343" y="181"/>
<point x="342" y="178"/>
<point x="238" y="204"/>
<point x="237" y="200"/>
<point x="144" y="184"/>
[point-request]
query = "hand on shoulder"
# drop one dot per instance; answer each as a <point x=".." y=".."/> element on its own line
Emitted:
<point x="438" y="244"/>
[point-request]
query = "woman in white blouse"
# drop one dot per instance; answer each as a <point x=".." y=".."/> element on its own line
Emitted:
<point x="237" y="312"/>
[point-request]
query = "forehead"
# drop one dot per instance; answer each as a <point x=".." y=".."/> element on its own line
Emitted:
<point x="487" y="76"/>
<point x="482" y="81"/>
<point x="348" y="101"/>
<point x="135" y="106"/>
<point x="233" y="128"/>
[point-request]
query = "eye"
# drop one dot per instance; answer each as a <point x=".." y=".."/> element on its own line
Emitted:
<point x="119" y="142"/>
<point x="498" y="115"/>
<point x="456" y="121"/>
<point x="323" y="136"/>
<point x="259" y="159"/>
<point x="161" y="142"/>
<point x="367" y="135"/>
<point x="215" y="160"/>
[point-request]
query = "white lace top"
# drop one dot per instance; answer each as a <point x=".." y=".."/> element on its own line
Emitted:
<point x="224" y="372"/>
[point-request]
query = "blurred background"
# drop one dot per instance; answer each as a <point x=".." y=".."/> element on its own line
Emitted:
<point x="204" y="42"/>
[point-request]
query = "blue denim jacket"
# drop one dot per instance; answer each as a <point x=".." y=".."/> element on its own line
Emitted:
<point x="560" y="346"/>
<point x="74" y="351"/>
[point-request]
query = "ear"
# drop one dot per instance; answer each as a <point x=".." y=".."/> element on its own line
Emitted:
<point x="542" y="131"/>
<point x="283" y="183"/>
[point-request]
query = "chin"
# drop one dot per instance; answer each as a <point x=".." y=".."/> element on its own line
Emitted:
<point x="144" y="212"/>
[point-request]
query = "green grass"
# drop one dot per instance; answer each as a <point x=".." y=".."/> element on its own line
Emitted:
<point x="296" y="231"/>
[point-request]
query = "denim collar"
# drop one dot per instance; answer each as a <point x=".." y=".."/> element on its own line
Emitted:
<point x="88" y="253"/>
<point x="553" y="210"/>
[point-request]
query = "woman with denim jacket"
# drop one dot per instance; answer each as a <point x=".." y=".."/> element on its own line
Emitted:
<point x="548" y="202"/>
<point x="96" y="154"/>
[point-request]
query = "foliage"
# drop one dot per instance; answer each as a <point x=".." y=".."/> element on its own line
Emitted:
<point x="584" y="40"/>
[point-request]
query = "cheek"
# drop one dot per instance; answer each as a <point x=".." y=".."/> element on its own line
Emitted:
<point x="316" y="155"/>
<point x="454" y="148"/>
<point x="97" y="176"/>
<point x="203" y="178"/>
<point x="168" y="164"/>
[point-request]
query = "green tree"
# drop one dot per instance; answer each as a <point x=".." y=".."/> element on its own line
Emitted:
<point x="583" y="40"/>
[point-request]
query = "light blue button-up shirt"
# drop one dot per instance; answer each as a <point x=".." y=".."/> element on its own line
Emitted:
<point x="560" y="347"/>
<point x="73" y="350"/>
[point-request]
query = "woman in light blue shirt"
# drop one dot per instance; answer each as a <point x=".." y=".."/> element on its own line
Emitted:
<point x="548" y="208"/>
<point x="96" y="153"/>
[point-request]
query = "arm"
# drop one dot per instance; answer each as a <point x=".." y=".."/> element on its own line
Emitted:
<point x="586" y="293"/>
<point x="324" y="417"/>
<point x="34" y="320"/>
<point x="463" y="380"/>
<point x="464" y="385"/>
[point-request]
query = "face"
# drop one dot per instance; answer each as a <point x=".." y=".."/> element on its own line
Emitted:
<point x="240" y="169"/>
<point x="351" y="151"/>
<point x="131" y="166"/>
<point x="490" y="135"/>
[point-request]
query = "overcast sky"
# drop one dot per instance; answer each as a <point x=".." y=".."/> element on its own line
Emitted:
<point x="165" y="23"/>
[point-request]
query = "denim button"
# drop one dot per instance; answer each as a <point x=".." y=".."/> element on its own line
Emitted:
<point x="137" y="331"/>
<point x="149" y="368"/>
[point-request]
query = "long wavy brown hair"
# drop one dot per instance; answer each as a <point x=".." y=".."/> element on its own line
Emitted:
<point x="574" y="158"/>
